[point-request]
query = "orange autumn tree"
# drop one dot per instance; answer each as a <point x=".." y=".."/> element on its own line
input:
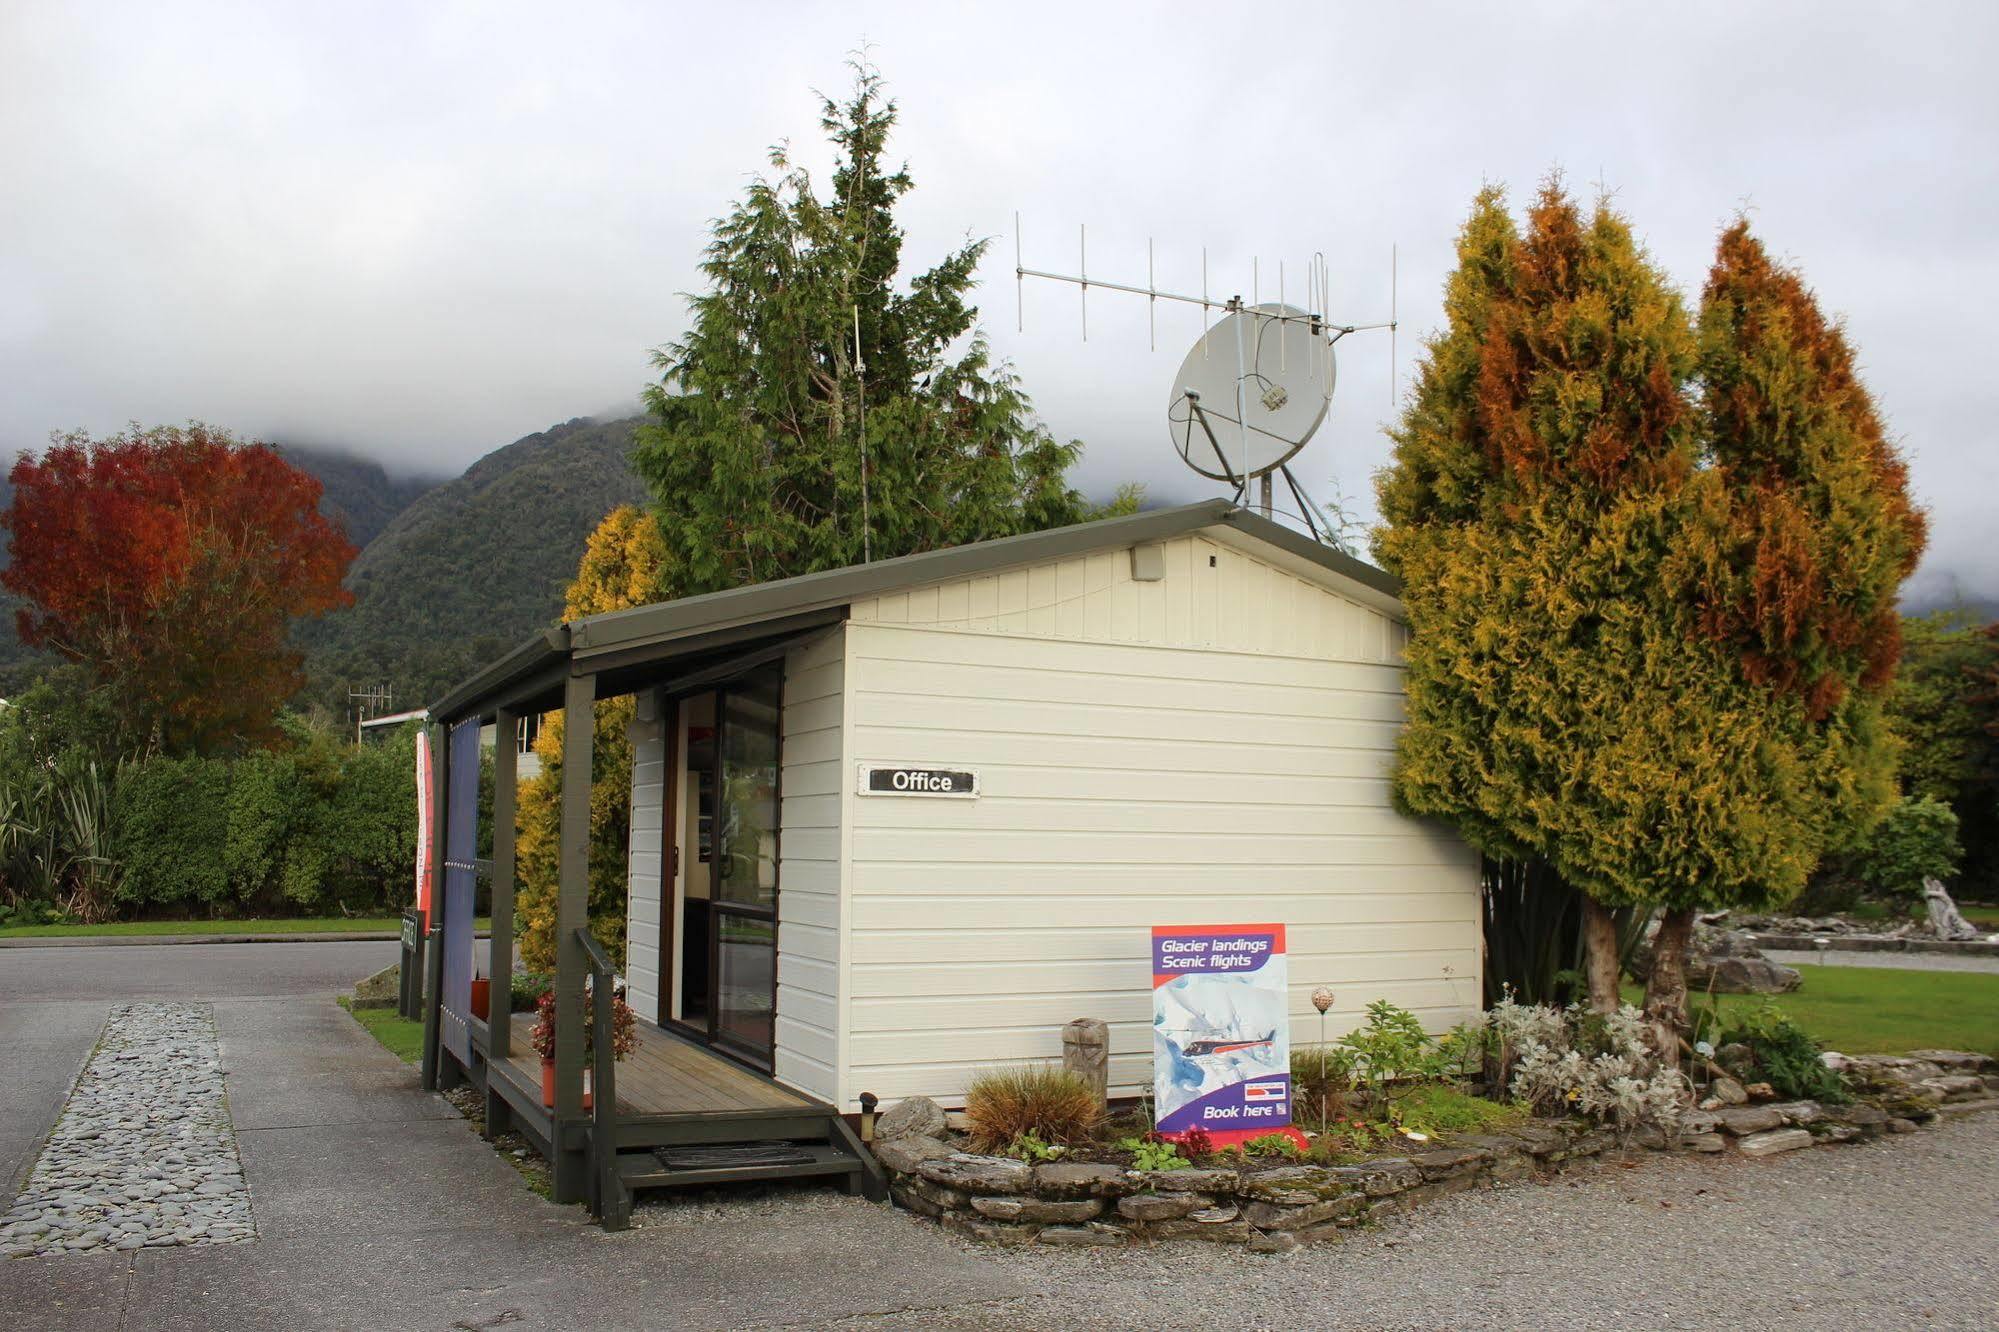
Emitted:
<point x="169" y="563"/>
<point x="624" y="565"/>
<point x="1649" y="570"/>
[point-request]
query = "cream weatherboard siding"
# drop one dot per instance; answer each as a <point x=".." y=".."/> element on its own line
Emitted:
<point x="808" y="876"/>
<point x="643" y="981"/>
<point x="1211" y="747"/>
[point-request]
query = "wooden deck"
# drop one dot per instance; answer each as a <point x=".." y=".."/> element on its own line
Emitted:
<point x="669" y="1076"/>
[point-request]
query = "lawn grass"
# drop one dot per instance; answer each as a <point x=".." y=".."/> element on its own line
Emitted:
<point x="1984" y="917"/>
<point x="398" y="1035"/>
<point x="284" y="925"/>
<point x="1878" y="1010"/>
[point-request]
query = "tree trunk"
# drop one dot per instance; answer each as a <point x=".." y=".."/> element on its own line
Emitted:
<point x="1600" y="954"/>
<point x="1666" y="986"/>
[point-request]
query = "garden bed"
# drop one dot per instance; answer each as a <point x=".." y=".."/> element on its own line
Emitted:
<point x="1273" y="1205"/>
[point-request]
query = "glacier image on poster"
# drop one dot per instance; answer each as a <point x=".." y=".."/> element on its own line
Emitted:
<point x="1220" y="1025"/>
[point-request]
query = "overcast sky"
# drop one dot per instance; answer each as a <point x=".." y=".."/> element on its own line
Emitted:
<point x="421" y="231"/>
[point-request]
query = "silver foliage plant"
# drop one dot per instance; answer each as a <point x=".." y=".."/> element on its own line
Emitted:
<point x="1573" y="1061"/>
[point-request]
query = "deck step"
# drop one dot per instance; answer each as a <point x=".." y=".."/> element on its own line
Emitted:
<point x="650" y="1170"/>
<point x="727" y="1155"/>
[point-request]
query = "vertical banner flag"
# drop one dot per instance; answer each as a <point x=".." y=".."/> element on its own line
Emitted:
<point x="424" y="799"/>
<point x="1221" y="1036"/>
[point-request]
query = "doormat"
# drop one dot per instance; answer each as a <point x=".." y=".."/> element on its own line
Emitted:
<point x="733" y="1156"/>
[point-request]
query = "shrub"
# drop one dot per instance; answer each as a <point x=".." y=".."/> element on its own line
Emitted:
<point x="1781" y="1052"/>
<point x="1559" y="1060"/>
<point x="1051" y="1103"/>
<point x="1917" y="840"/>
<point x="528" y="987"/>
<point x="170" y="818"/>
<point x="1392" y="1048"/>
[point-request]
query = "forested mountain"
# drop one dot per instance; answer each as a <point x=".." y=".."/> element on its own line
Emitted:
<point x="471" y="567"/>
<point x="361" y="496"/>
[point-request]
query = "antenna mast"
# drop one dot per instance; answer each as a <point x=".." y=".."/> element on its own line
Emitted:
<point x="1270" y="401"/>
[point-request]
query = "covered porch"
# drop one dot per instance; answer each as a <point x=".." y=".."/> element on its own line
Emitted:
<point x="691" y="1105"/>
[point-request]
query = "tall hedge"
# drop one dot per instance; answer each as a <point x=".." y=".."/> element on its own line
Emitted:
<point x="316" y="827"/>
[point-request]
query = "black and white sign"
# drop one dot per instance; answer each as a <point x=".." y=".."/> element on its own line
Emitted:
<point x="908" y="780"/>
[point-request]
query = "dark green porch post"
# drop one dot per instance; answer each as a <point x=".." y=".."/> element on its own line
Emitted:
<point x="572" y="913"/>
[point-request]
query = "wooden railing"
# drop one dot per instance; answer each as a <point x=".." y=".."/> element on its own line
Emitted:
<point x="607" y="1192"/>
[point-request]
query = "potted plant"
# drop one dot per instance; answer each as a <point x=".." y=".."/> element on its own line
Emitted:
<point x="624" y="1039"/>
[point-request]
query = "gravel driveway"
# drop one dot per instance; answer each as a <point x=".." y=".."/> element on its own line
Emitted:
<point x="1900" y="1233"/>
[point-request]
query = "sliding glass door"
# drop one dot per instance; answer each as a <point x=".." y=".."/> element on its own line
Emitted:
<point x="727" y="844"/>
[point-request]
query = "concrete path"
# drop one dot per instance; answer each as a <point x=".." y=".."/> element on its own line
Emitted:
<point x="377" y="1208"/>
<point x="1893" y="961"/>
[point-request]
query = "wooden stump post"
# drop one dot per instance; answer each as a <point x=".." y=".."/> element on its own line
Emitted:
<point x="1086" y="1052"/>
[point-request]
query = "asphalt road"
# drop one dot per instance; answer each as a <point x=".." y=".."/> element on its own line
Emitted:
<point x="377" y="1208"/>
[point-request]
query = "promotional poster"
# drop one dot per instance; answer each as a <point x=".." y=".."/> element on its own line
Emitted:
<point x="1220" y="1030"/>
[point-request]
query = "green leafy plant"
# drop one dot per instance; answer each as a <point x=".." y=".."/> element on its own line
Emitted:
<point x="527" y="989"/>
<point x="1781" y="1052"/>
<point x="1391" y="1052"/>
<point x="1153" y="1154"/>
<point x="1053" y="1104"/>
<point x="1030" y="1146"/>
<point x="1273" y="1144"/>
<point x="1917" y="839"/>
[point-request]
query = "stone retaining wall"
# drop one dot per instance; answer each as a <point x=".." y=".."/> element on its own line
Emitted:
<point x="1001" y="1200"/>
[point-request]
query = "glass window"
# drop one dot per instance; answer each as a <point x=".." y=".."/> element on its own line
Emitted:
<point x="746" y="869"/>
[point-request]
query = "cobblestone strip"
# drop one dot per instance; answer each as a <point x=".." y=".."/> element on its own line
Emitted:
<point x="144" y="1153"/>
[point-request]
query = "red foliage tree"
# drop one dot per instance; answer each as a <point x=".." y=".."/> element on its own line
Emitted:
<point x="169" y="562"/>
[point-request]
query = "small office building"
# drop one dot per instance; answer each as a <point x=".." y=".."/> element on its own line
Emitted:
<point x="896" y="824"/>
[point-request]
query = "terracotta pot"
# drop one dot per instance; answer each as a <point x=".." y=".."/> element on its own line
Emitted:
<point x="548" y="1085"/>
<point x="482" y="997"/>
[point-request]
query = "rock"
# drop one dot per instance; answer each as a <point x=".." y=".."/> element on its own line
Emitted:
<point x="1448" y="1162"/>
<point x="992" y="1232"/>
<point x="1702" y="1142"/>
<point x="903" y="1155"/>
<point x="1189" y="1181"/>
<point x="1761" y="1091"/>
<point x="1898" y="1125"/>
<point x="1957" y="1060"/>
<point x="1379" y="1179"/>
<point x="1214" y="1232"/>
<point x="1094" y="1235"/>
<point x="1160" y="1206"/>
<point x="1741" y="975"/>
<point x="977" y="1174"/>
<point x="1043" y="1210"/>
<point x="1083" y="1179"/>
<point x="939" y="1197"/>
<point x="1742" y="1120"/>
<point x="1282" y="1241"/>
<point x="1270" y="1216"/>
<point x="1220" y="1212"/>
<point x="916" y="1117"/>
<point x="1956" y="1108"/>
<point x="1773" y="1141"/>
<point x="1955" y="1086"/>
<point x="1797" y="1112"/>
<point x="1728" y="1091"/>
<point x="1294" y="1186"/>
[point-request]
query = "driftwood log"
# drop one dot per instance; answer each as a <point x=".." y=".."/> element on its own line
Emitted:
<point x="1945" y="918"/>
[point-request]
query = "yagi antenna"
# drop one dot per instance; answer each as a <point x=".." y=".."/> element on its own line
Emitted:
<point x="1245" y="418"/>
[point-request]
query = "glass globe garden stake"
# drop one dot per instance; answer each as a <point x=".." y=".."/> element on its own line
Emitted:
<point x="1322" y="999"/>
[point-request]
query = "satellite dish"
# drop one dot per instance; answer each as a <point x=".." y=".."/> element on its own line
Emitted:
<point x="1288" y="373"/>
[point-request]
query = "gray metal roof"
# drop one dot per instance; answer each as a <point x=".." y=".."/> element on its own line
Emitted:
<point x="738" y="613"/>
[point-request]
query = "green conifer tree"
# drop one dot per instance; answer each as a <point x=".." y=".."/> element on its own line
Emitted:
<point x="1552" y="511"/>
<point x="775" y="449"/>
